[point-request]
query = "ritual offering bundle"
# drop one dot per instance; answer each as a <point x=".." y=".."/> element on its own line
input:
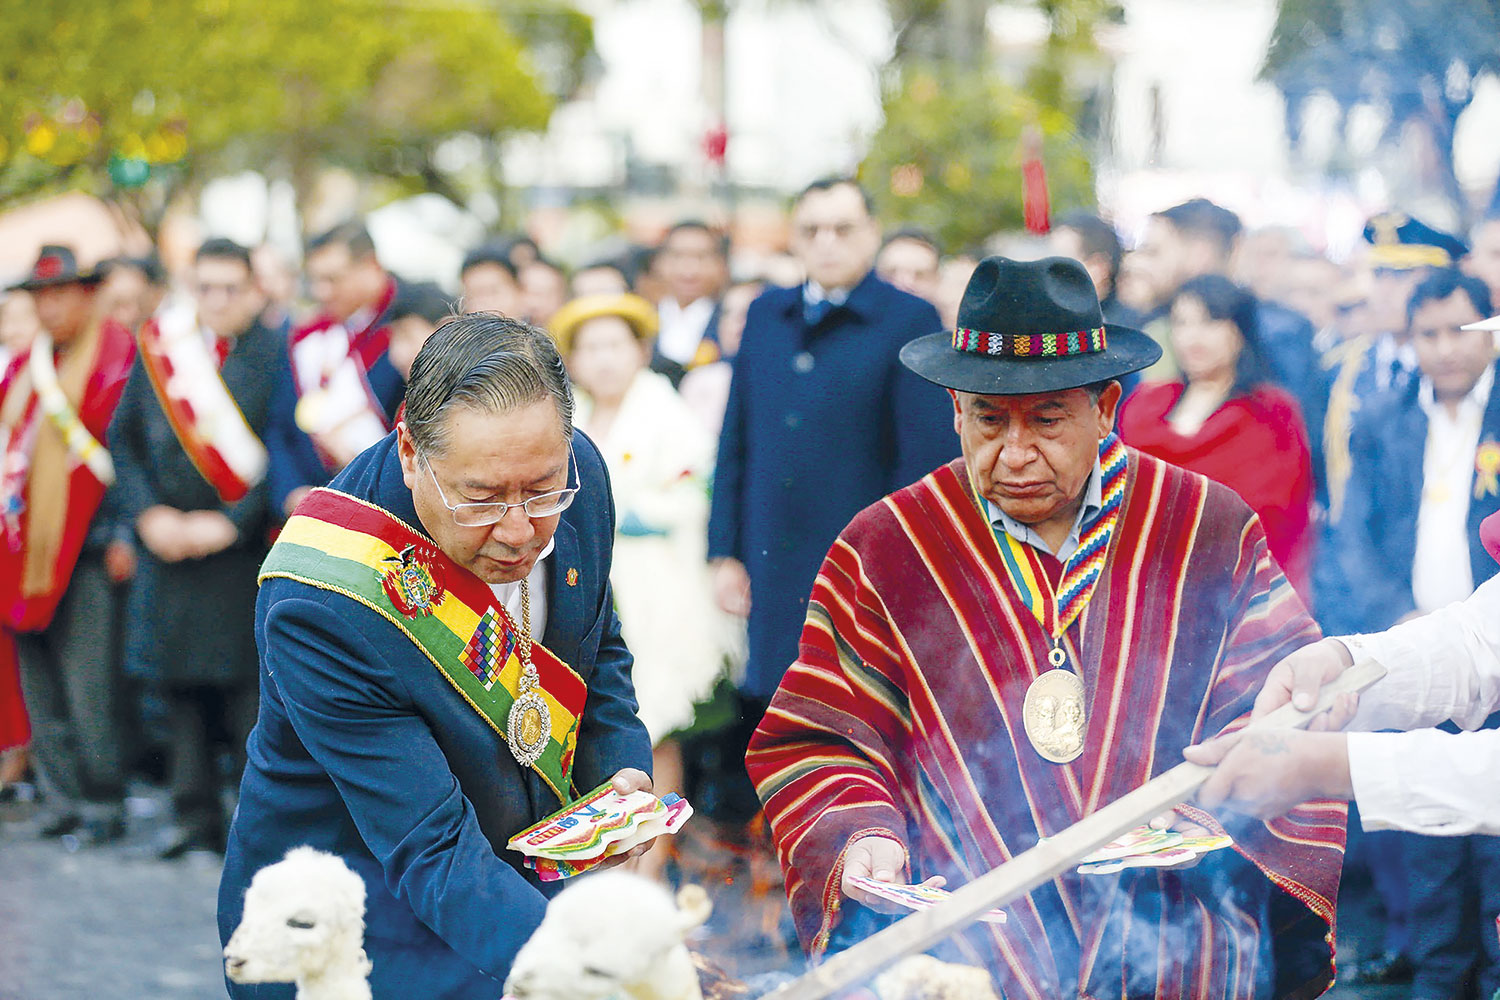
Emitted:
<point x="916" y="897"/>
<point x="585" y="833"/>
<point x="1146" y="847"/>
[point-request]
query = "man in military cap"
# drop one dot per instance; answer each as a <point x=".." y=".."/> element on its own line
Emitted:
<point x="1403" y="252"/>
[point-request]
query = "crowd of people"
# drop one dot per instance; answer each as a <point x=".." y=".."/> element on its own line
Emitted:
<point x="159" y="430"/>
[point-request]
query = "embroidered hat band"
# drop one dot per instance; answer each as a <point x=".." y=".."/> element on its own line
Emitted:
<point x="1029" y="345"/>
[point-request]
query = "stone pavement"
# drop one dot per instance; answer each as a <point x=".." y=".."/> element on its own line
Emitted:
<point x="105" y="922"/>
<point x="113" y="922"/>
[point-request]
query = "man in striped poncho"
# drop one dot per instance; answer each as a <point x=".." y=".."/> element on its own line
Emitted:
<point x="1023" y="636"/>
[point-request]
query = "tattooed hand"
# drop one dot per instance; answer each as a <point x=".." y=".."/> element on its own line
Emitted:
<point x="1266" y="774"/>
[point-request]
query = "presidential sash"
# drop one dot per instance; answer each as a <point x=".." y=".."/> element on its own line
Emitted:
<point x="337" y="542"/>
<point x="185" y="373"/>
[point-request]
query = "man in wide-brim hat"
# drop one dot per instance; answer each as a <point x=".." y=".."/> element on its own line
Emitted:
<point x="1024" y="635"/>
<point x="62" y="552"/>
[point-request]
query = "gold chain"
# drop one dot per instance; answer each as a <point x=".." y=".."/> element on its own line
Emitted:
<point x="528" y="672"/>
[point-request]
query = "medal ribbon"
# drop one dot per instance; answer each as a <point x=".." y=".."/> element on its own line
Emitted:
<point x="1058" y="610"/>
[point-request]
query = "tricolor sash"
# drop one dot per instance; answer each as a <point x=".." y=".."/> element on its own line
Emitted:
<point x="208" y="422"/>
<point x="337" y="542"/>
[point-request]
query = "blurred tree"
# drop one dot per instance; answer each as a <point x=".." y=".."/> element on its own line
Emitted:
<point x="133" y="98"/>
<point x="1417" y="60"/>
<point x="949" y="153"/>
<point x="948" y="156"/>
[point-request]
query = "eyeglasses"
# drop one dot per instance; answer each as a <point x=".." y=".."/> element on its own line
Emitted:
<point x="475" y="515"/>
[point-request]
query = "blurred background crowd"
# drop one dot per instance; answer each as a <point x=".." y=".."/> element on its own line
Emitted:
<point x="1298" y="201"/>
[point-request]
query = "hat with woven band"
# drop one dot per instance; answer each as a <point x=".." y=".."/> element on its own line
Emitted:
<point x="1029" y="327"/>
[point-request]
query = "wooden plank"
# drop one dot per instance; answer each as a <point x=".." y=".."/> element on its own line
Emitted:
<point x="1044" y="862"/>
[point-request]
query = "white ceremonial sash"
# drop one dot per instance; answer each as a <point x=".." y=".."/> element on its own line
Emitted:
<point x="335" y="407"/>
<point x="209" y="424"/>
<point x="54" y="403"/>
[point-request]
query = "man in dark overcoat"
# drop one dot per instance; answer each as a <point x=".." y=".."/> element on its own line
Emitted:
<point x="400" y="720"/>
<point x="192" y="610"/>
<point x="822" y="421"/>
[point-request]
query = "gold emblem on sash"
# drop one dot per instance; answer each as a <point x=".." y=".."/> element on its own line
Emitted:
<point x="1054" y="717"/>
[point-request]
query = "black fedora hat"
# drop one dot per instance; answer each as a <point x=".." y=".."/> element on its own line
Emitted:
<point x="1027" y="327"/>
<point x="56" y="265"/>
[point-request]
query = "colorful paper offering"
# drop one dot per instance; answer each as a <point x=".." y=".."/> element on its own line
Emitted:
<point x="1145" y="847"/>
<point x="916" y="897"/>
<point x="602" y="824"/>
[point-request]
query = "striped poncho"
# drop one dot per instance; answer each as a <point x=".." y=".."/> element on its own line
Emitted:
<point x="902" y="715"/>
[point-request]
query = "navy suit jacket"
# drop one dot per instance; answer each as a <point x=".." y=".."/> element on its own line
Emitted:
<point x="821" y="423"/>
<point x="1375" y="540"/>
<point x="364" y="749"/>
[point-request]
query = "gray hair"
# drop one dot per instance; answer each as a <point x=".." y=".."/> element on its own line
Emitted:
<point x="487" y="362"/>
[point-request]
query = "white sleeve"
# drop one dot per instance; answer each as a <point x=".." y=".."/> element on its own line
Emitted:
<point x="1444" y="665"/>
<point x="1428" y="782"/>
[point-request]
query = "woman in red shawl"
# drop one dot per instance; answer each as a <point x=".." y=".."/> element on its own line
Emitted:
<point x="1226" y="420"/>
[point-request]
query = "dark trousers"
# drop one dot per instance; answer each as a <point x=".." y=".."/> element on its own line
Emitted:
<point x="202" y="718"/>
<point x="1454" y="897"/>
<point x="70" y="676"/>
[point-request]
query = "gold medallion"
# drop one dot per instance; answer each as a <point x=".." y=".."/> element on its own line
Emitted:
<point x="1054" y="717"/>
<point x="527" y="728"/>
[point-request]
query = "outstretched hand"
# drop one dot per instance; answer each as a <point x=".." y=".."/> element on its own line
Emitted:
<point x="625" y="781"/>
<point x="1298" y="678"/>
<point x="882" y="859"/>
<point x="1265" y="774"/>
<point x="1177" y="822"/>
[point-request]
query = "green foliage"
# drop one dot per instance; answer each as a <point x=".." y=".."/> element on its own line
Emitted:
<point x="949" y="154"/>
<point x="191" y="86"/>
<point x="1419" y="60"/>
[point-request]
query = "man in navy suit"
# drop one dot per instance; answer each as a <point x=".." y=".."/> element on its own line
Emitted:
<point x="822" y="421"/>
<point x="1408" y="541"/>
<point x="1426" y="457"/>
<point x="413" y="754"/>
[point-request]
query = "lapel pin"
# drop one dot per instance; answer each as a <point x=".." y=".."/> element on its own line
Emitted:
<point x="572" y="578"/>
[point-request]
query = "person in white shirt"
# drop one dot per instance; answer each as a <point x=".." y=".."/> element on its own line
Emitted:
<point x="1441" y="666"/>
<point x="694" y="267"/>
<point x="1427" y="473"/>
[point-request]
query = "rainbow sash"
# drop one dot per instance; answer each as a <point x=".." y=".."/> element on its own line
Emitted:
<point x="340" y="543"/>
<point x="1056" y="611"/>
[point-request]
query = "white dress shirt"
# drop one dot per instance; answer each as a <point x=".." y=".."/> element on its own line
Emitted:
<point x="681" y="328"/>
<point x="1444" y="665"/>
<point x="509" y="594"/>
<point x="1390" y="355"/>
<point x="1440" y="571"/>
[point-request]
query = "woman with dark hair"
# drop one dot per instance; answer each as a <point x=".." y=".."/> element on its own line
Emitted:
<point x="1225" y="419"/>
